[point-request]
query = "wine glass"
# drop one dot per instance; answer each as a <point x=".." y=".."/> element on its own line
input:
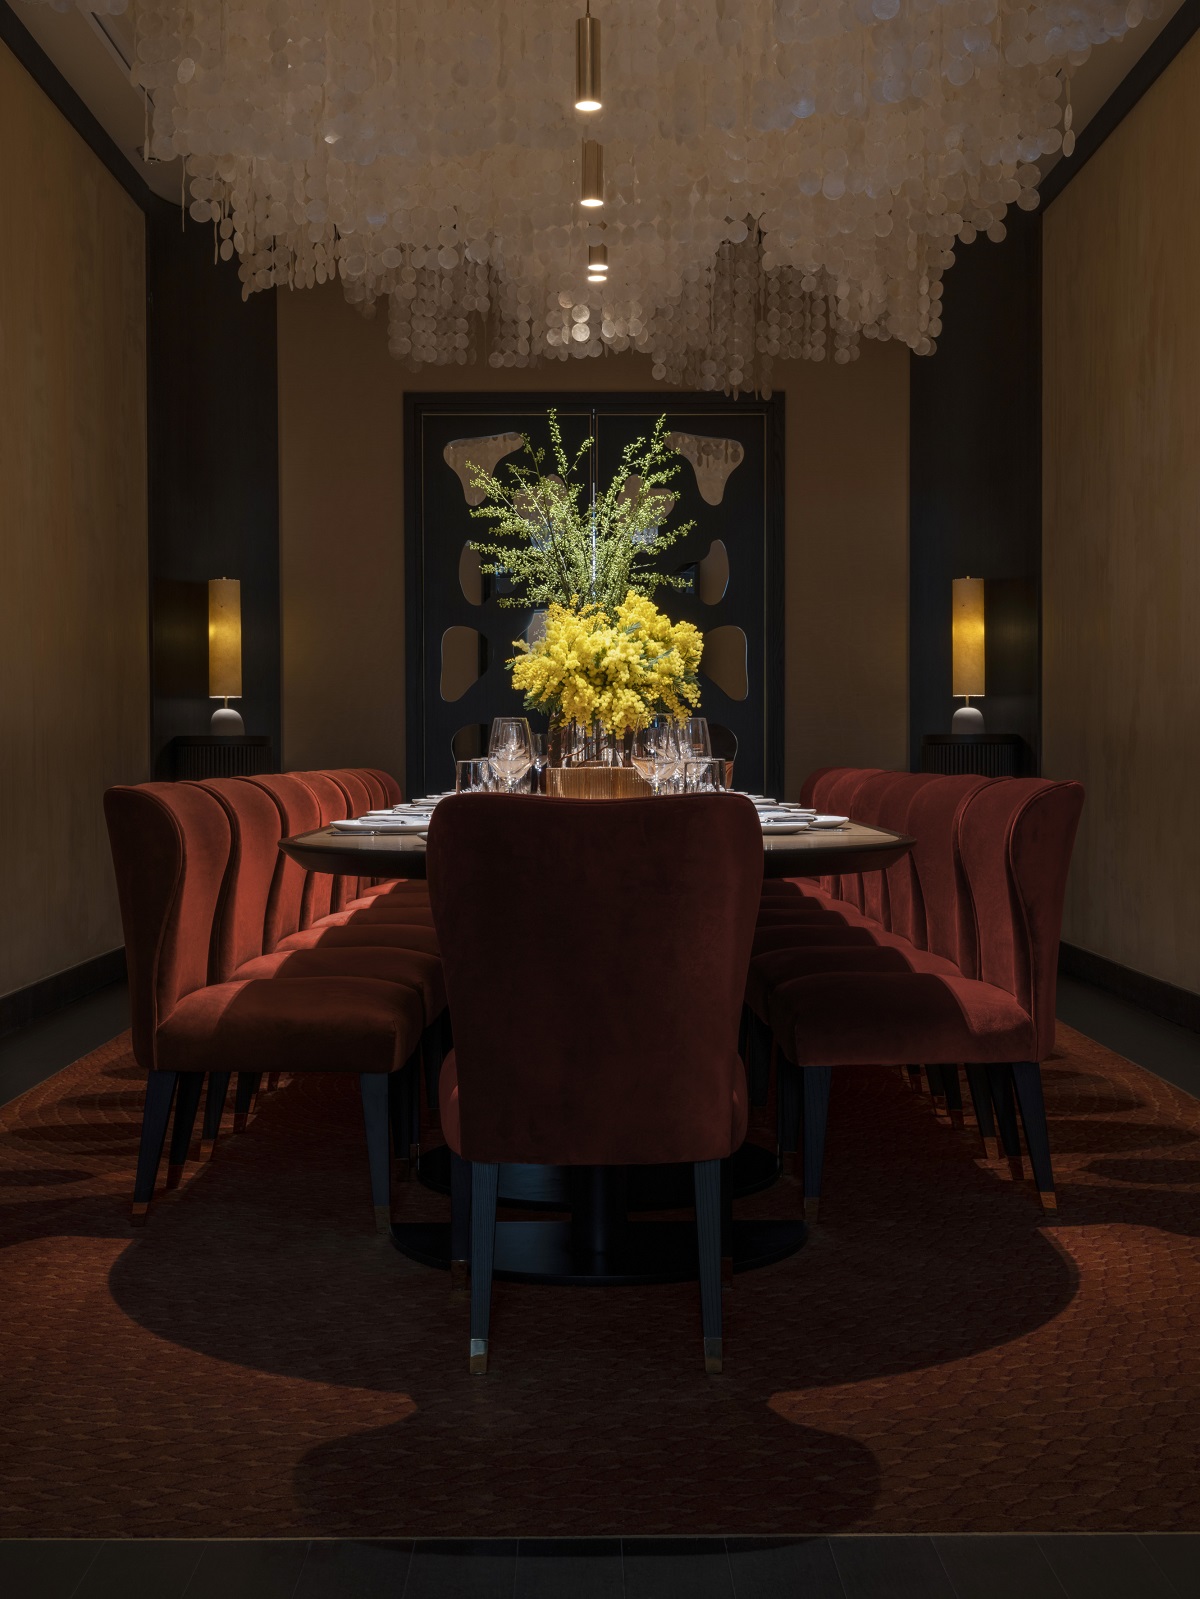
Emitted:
<point x="695" y="738"/>
<point x="541" y="759"/>
<point x="653" y="755"/>
<point x="510" y="750"/>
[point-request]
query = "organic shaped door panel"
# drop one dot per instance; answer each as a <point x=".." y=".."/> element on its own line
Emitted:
<point x="712" y="574"/>
<point x="470" y="576"/>
<point x="630" y="490"/>
<point x="464" y="661"/>
<point x="725" y="661"/>
<point x="483" y="452"/>
<point x="712" y="461"/>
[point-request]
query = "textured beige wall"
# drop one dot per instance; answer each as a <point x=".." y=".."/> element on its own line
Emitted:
<point x="341" y="399"/>
<point x="1122" y="529"/>
<point x="74" y="693"/>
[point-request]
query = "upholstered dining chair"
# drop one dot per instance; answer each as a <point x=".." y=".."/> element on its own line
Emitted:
<point x="595" y="956"/>
<point x="171" y="847"/>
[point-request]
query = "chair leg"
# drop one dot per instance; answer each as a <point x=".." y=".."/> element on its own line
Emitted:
<point x="1027" y="1080"/>
<point x="160" y="1090"/>
<point x="787" y="1106"/>
<point x="707" y="1176"/>
<point x="412" y="1073"/>
<point x="485" y="1178"/>
<point x="936" y="1084"/>
<point x="374" y="1086"/>
<point x="431" y="1059"/>
<point x="214" y="1109"/>
<point x="243" y="1098"/>
<point x="187" y="1100"/>
<point x="817" y="1080"/>
<point x="460" y="1221"/>
<point x="1000" y="1083"/>
<point x="952" y="1087"/>
<point x="400" y="1112"/>
<point x="273" y="1081"/>
<point x="726" y="1229"/>
<point x="981" y="1098"/>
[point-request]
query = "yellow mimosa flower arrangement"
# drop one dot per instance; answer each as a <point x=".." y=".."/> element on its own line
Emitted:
<point x="619" y="670"/>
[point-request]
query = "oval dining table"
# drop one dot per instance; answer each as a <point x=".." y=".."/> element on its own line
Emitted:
<point x="601" y="1242"/>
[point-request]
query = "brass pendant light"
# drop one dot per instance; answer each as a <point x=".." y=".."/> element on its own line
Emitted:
<point x="587" y="62"/>
<point x="591" y="191"/>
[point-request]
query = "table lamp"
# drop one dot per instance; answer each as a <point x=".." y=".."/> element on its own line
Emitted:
<point x="967" y="680"/>
<point x="225" y="653"/>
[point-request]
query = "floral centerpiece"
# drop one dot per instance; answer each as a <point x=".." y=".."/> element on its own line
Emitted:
<point x="606" y="655"/>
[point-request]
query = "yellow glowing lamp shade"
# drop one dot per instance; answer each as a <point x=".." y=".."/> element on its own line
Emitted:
<point x="224" y="638"/>
<point x="968" y="638"/>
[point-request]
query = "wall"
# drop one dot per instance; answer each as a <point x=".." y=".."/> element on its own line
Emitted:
<point x="1121" y="662"/>
<point x="73" y="626"/>
<point x="214" y="497"/>
<point x="342" y="541"/>
<point x="976" y="484"/>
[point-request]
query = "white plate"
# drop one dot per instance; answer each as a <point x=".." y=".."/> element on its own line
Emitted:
<point x="828" y="821"/>
<point x="382" y="824"/>
<point x="795" y="825"/>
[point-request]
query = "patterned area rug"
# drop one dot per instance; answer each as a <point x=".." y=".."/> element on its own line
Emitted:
<point x="258" y="1362"/>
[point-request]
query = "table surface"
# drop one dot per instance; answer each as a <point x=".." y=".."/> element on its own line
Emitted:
<point x="852" y="848"/>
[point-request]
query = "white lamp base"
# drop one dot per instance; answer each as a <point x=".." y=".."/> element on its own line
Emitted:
<point x="227" y="723"/>
<point x="967" y="719"/>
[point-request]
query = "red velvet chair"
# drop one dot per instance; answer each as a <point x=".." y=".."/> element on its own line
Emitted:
<point x="1014" y="840"/>
<point x="171" y="846"/>
<point x="595" y="956"/>
<point x="241" y="951"/>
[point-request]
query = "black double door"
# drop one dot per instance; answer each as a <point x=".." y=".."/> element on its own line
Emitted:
<point x="459" y="636"/>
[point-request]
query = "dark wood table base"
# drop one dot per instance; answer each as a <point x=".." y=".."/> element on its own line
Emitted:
<point x="604" y="1241"/>
<point x="751" y="1169"/>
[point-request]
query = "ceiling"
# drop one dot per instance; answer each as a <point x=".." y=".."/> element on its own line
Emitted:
<point x="93" y="52"/>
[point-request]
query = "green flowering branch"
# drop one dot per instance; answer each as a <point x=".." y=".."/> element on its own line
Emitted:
<point x="555" y="548"/>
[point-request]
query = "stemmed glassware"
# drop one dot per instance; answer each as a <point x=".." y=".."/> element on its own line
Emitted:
<point x="541" y="759"/>
<point x="656" y="754"/>
<point x="510" y="750"/>
<point x="694" y="738"/>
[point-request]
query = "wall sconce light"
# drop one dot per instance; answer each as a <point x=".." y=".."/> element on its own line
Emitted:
<point x="967" y="636"/>
<point x="225" y="653"/>
<point x="587" y="62"/>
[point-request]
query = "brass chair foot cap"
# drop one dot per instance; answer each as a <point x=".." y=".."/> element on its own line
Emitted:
<point x="479" y="1354"/>
<point x="713" y="1356"/>
<point x="383" y="1218"/>
<point x="138" y="1212"/>
<point x="1049" y="1199"/>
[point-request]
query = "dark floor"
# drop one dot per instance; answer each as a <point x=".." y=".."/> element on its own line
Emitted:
<point x="33" y="1053"/>
<point x="1163" y="1566"/>
<point x="1018" y="1566"/>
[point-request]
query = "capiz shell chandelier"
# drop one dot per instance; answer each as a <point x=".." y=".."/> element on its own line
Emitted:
<point x="766" y="178"/>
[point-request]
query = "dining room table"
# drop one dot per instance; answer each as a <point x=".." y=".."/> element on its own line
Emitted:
<point x="601" y="1225"/>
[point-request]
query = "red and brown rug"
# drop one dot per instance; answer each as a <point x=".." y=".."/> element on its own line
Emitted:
<point x="258" y="1362"/>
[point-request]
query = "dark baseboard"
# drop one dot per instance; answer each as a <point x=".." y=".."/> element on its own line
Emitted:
<point x="1178" y="1005"/>
<point x="42" y="999"/>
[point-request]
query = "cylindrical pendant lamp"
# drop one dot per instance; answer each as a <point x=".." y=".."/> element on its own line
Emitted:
<point x="587" y="63"/>
<point x="597" y="257"/>
<point x="591" y="191"/>
<point x="225" y="653"/>
<point x="967" y="652"/>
